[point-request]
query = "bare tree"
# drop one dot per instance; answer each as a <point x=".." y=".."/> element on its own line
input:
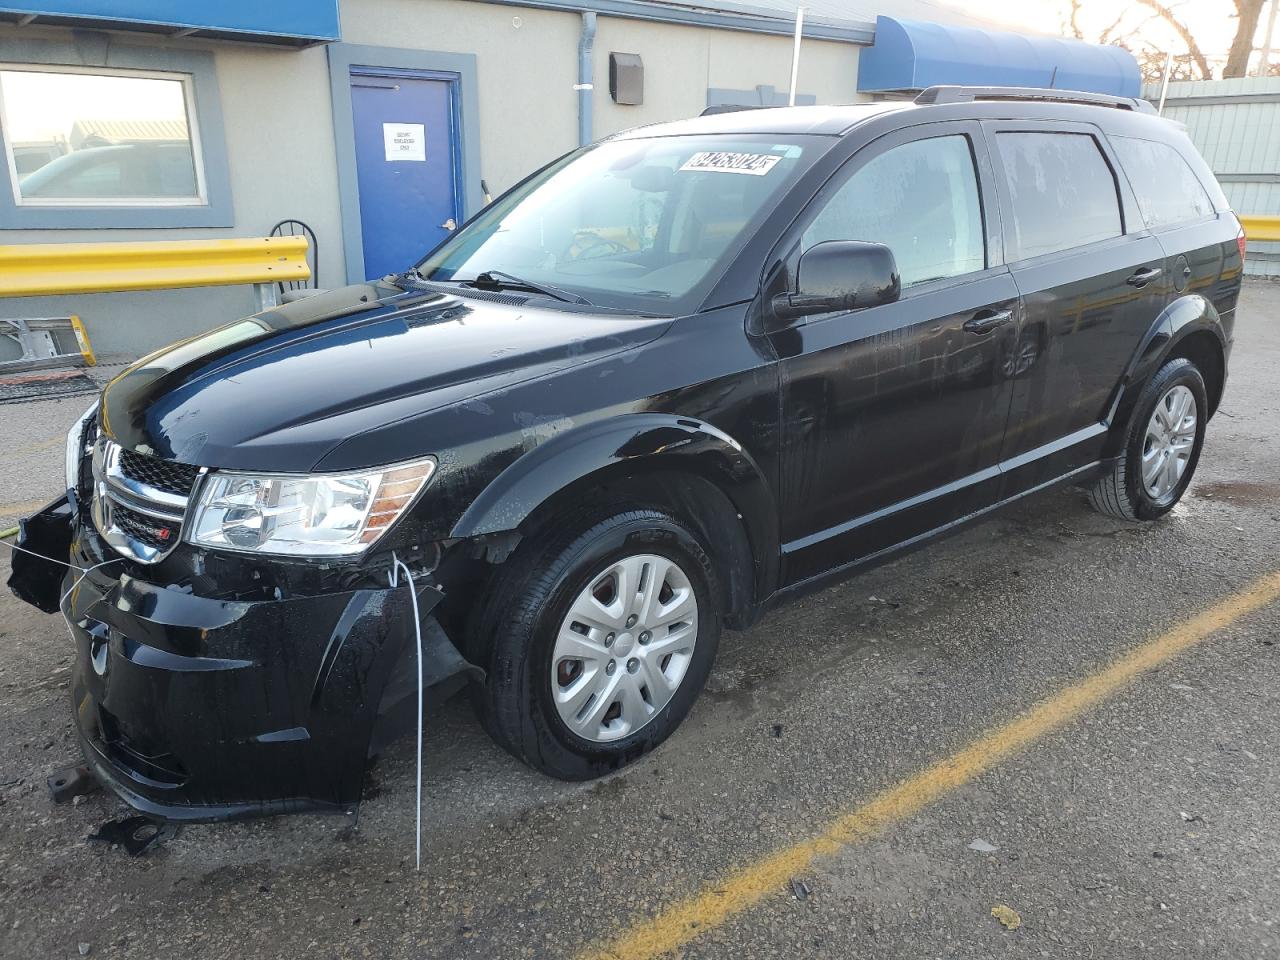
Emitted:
<point x="1128" y="38"/>
<point x="1072" y="24"/>
<point x="1246" y="30"/>
<point x="1247" y="13"/>
<point x="1151" y="66"/>
<point x="1169" y="16"/>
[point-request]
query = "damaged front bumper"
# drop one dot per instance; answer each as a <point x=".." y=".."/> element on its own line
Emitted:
<point x="197" y="708"/>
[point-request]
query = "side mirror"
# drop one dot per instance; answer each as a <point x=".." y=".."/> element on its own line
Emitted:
<point x="838" y="275"/>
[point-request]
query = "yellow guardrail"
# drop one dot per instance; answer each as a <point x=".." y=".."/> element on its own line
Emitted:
<point x="1261" y="228"/>
<point x="39" y="269"/>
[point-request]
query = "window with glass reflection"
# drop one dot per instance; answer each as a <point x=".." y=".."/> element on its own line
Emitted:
<point x="921" y="201"/>
<point x="1168" y="191"/>
<point x="1063" y="191"/>
<point x="99" y="138"/>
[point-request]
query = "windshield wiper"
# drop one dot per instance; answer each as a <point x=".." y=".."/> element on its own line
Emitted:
<point x="497" y="280"/>
<point x="411" y="276"/>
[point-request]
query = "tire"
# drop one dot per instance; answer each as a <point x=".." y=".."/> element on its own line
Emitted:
<point x="528" y="701"/>
<point x="1123" y="492"/>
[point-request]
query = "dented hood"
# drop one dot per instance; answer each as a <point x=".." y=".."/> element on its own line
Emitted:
<point x="276" y="391"/>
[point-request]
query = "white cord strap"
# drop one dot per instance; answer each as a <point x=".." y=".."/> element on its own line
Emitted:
<point x="394" y="579"/>
<point x="84" y="571"/>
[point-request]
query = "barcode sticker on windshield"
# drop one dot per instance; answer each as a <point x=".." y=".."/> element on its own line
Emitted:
<point x="715" y="161"/>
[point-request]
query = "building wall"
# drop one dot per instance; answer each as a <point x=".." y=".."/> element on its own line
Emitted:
<point x="528" y="108"/>
<point x="278" y="124"/>
<point x="278" y="120"/>
<point x="682" y="63"/>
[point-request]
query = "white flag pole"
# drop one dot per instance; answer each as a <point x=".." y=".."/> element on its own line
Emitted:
<point x="795" y="56"/>
<point x="1164" y="84"/>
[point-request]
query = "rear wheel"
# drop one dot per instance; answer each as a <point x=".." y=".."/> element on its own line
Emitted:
<point x="598" y="641"/>
<point x="1162" y="449"/>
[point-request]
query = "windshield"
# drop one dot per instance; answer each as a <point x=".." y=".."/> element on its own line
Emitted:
<point x="633" y="224"/>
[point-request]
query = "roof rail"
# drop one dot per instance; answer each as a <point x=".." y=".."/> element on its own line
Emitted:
<point x="718" y="108"/>
<point x="955" y="94"/>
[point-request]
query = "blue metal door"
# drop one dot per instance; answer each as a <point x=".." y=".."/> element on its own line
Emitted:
<point x="406" y="165"/>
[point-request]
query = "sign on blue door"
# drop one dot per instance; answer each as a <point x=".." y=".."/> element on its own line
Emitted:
<point x="406" y="165"/>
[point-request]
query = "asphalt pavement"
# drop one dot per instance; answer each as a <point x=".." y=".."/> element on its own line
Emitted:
<point x="1069" y="719"/>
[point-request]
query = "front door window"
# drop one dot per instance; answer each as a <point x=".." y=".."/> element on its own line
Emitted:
<point x="921" y="201"/>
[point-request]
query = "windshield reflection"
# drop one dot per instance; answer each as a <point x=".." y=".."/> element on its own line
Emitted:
<point x="628" y="223"/>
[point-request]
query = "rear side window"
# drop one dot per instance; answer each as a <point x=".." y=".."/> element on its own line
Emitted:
<point x="920" y="200"/>
<point x="1167" y="190"/>
<point x="1063" y="191"/>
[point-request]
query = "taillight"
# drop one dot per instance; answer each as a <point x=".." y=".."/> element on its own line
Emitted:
<point x="1241" y="241"/>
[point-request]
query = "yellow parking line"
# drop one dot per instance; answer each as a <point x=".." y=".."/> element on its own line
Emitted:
<point x="743" y="888"/>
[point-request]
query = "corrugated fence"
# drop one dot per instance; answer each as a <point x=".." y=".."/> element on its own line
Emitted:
<point x="1236" y="126"/>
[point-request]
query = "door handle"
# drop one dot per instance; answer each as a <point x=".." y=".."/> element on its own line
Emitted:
<point x="984" y="321"/>
<point x="1140" y="278"/>
<point x="450" y="224"/>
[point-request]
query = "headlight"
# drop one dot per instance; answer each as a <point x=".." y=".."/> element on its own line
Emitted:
<point x="318" y="516"/>
<point x="75" y="447"/>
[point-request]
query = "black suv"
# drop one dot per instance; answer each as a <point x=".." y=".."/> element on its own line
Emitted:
<point x="665" y="383"/>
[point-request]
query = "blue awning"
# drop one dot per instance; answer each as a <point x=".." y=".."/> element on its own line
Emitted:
<point x="293" y="22"/>
<point x="913" y="55"/>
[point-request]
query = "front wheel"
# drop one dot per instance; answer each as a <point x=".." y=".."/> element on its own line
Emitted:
<point x="1162" y="449"/>
<point x="598" y="641"/>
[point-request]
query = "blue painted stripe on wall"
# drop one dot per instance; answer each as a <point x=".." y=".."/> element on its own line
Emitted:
<point x="309" y="19"/>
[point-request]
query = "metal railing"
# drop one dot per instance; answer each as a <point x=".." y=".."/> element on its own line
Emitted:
<point x="270" y="264"/>
<point x="47" y="269"/>
<point x="1261" y="228"/>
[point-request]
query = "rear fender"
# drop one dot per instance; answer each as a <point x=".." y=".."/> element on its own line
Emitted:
<point x="1182" y="318"/>
<point x="633" y="443"/>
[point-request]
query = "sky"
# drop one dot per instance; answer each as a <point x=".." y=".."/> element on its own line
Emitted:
<point x="1212" y="22"/>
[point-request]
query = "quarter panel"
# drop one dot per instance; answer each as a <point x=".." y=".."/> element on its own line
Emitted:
<point x="1198" y="256"/>
<point x="1180" y="318"/>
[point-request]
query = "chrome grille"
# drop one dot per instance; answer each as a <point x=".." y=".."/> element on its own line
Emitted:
<point x="154" y="533"/>
<point x="167" y="475"/>
<point x="139" y="501"/>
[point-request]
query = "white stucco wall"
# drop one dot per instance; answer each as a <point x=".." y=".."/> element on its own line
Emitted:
<point x="682" y="63"/>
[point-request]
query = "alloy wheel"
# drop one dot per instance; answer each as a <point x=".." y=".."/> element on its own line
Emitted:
<point x="1169" y="443"/>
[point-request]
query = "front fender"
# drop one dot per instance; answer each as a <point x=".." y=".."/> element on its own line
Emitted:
<point x="643" y="441"/>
